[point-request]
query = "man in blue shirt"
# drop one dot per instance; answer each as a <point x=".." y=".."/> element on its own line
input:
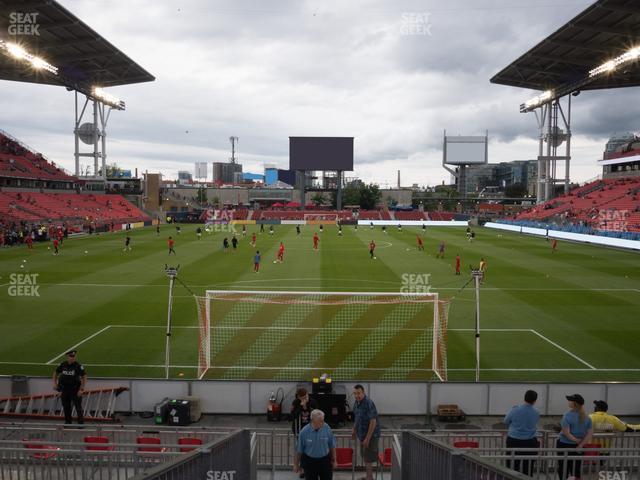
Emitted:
<point x="523" y="422"/>
<point x="316" y="449"/>
<point x="367" y="428"/>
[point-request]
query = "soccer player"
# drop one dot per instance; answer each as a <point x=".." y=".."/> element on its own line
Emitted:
<point x="234" y="241"/>
<point x="256" y="262"/>
<point x="158" y="229"/>
<point x="244" y="230"/>
<point x="483" y="269"/>
<point x="469" y="233"/>
<point x="424" y="227"/>
<point x="199" y="233"/>
<point x="270" y="229"/>
<point x="339" y="230"/>
<point x="321" y="228"/>
<point x="56" y="242"/>
<point x="170" y="242"/>
<point x="281" y="252"/>
<point x="127" y="244"/>
<point x="372" y="249"/>
<point x="60" y="235"/>
<point x="178" y="230"/>
<point x="298" y="229"/>
<point x="225" y="244"/>
<point x="29" y="241"/>
<point x="554" y="245"/>
<point x="371" y="225"/>
<point x="384" y="229"/>
<point x="420" y="243"/>
<point x="457" y="264"/>
<point x="315" y="241"/>
<point x="253" y="239"/>
<point x="262" y="228"/>
<point x="473" y="236"/>
<point x="399" y="227"/>
<point x="441" y="250"/>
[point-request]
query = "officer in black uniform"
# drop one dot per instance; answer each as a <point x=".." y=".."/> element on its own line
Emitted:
<point x="69" y="379"/>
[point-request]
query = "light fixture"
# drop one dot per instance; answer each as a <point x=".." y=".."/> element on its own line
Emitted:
<point x="104" y="97"/>
<point x="539" y="100"/>
<point x="611" y="65"/>
<point x="17" y="51"/>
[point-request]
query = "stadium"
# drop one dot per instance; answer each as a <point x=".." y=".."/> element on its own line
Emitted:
<point x="204" y="305"/>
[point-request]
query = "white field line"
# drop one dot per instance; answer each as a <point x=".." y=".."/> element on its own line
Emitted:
<point x="294" y="280"/>
<point x="564" y="350"/>
<point x="320" y="328"/>
<point x="249" y="367"/>
<point x="78" y="344"/>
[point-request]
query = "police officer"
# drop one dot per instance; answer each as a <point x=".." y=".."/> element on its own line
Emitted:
<point x="70" y="379"/>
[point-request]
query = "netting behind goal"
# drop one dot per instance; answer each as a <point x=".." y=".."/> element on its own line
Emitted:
<point x="298" y="335"/>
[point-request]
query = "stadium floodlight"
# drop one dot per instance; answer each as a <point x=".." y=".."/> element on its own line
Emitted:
<point x="539" y="100"/>
<point x="611" y="65"/>
<point x="17" y="51"/>
<point x="106" y="98"/>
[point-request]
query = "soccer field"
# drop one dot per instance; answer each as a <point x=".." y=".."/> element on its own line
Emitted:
<point x="567" y="316"/>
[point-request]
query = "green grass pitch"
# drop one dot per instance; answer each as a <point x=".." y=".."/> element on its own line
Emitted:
<point x="573" y="315"/>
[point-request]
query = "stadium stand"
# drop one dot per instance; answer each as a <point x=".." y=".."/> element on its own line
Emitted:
<point x="18" y="162"/>
<point x="101" y="209"/>
<point x="413" y="215"/>
<point x="608" y="205"/>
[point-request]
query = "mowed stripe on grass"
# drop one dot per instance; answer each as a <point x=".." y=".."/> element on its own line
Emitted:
<point x="526" y="287"/>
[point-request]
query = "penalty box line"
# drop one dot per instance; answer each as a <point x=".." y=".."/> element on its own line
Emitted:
<point x="79" y="343"/>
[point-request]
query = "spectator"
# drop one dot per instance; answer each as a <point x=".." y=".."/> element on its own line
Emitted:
<point x="523" y="422"/>
<point x="366" y="428"/>
<point x="576" y="432"/>
<point x="301" y="412"/>
<point x="604" y="423"/>
<point x="316" y="449"/>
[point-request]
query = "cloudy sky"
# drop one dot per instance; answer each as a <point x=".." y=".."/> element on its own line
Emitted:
<point x="393" y="74"/>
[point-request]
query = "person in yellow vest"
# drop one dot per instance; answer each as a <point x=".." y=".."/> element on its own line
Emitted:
<point x="605" y="423"/>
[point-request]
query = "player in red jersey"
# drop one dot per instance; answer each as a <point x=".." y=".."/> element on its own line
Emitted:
<point x="315" y="241"/>
<point x="372" y="249"/>
<point x="281" y="252"/>
<point x="440" y="253"/>
<point x="60" y="235"/>
<point x="29" y="241"/>
<point x="253" y="239"/>
<point x="170" y="242"/>
<point x="554" y="245"/>
<point x="420" y="243"/>
<point x="56" y="242"/>
<point x="458" y="264"/>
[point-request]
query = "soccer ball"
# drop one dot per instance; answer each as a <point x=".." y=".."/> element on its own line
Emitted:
<point x="85" y="252"/>
<point x="408" y="249"/>
<point x="24" y="261"/>
<point x="21" y="266"/>
<point x="48" y="248"/>
<point x="375" y="258"/>
<point x="275" y="261"/>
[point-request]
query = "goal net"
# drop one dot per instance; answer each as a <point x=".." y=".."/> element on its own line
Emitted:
<point x="300" y="335"/>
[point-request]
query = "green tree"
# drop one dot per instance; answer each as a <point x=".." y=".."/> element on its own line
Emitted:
<point x="317" y="199"/>
<point x="201" y="196"/>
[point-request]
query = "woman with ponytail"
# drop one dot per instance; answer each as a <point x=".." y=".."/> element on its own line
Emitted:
<point x="576" y="432"/>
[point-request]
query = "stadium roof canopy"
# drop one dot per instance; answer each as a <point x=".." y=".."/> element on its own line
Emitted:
<point x="84" y="59"/>
<point x="562" y="62"/>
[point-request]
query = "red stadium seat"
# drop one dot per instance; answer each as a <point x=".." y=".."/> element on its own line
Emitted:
<point x="149" y="445"/>
<point x="97" y="443"/>
<point x="467" y="444"/>
<point x="44" y="452"/>
<point x="189" y="441"/>
<point x="344" y="457"/>
<point x="385" y="457"/>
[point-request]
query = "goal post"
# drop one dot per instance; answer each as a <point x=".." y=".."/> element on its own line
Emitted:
<point x="284" y="335"/>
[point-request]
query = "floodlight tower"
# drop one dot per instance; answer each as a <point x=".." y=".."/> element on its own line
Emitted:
<point x="94" y="132"/>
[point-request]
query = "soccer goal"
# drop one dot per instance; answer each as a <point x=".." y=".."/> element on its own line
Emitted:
<point x="298" y="335"/>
